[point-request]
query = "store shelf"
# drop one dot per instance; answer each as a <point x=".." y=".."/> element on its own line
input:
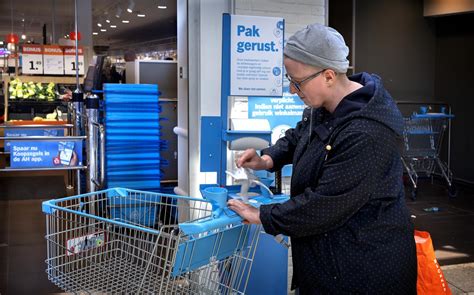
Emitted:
<point x="44" y="169"/>
<point x="35" y="103"/>
<point x="47" y="79"/>
<point x="36" y="124"/>
<point x="28" y="109"/>
<point x="21" y="107"/>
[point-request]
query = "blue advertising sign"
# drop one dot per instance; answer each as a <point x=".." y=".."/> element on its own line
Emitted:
<point x="19" y="132"/>
<point x="45" y="154"/>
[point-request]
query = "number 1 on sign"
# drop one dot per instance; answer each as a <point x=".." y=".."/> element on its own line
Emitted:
<point x="74" y="66"/>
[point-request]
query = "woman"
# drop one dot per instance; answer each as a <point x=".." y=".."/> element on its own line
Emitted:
<point x="349" y="226"/>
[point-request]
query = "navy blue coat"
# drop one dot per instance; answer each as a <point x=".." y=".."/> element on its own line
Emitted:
<point x="349" y="226"/>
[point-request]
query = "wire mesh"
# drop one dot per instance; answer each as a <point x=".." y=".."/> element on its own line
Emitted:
<point x="124" y="241"/>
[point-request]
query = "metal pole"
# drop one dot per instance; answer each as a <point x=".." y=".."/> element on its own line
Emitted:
<point x="449" y="138"/>
<point x="53" y="25"/>
<point x="76" y="45"/>
<point x="92" y="109"/>
<point x="77" y="99"/>
<point x="78" y="108"/>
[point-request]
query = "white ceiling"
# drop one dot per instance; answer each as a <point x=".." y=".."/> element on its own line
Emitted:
<point x="30" y="15"/>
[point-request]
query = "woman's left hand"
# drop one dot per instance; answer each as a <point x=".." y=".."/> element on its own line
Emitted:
<point x="250" y="214"/>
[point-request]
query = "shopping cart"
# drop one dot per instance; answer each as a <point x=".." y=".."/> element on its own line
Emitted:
<point x="121" y="241"/>
<point x="423" y="137"/>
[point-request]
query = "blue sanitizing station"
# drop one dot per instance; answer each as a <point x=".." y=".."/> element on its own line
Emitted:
<point x="243" y="38"/>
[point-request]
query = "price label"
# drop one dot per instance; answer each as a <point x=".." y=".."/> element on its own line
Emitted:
<point x="53" y="59"/>
<point x="12" y="59"/>
<point x="70" y="64"/>
<point x="11" y="62"/>
<point x="32" y="61"/>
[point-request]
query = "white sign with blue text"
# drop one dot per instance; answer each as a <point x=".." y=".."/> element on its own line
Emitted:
<point x="256" y="55"/>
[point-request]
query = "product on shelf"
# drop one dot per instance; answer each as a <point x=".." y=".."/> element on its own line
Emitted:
<point x="54" y="116"/>
<point x="30" y="90"/>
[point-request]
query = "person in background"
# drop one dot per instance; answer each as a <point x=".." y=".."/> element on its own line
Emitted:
<point x="124" y="76"/>
<point x="347" y="219"/>
<point x="66" y="96"/>
<point x="115" y="77"/>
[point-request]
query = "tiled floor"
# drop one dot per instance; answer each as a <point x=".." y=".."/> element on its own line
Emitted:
<point x="452" y="231"/>
<point x="451" y="228"/>
<point x="460" y="277"/>
<point x="22" y="229"/>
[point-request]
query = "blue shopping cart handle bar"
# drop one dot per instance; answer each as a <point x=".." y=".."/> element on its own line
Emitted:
<point x="50" y="206"/>
<point x="432" y="116"/>
<point x="210" y="223"/>
<point x="227" y="217"/>
<point x="422" y="132"/>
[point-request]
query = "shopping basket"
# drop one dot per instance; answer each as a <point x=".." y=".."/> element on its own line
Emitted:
<point x="423" y="137"/>
<point x="135" y="242"/>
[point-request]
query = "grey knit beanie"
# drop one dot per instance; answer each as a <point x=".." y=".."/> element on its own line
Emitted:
<point x="319" y="46"/>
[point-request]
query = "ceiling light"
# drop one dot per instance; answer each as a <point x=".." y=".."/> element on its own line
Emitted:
<point x="118" y="13"/>
<point x="23" y="37"/>
<point x="1" y="42"/>
<point x="162" y="6"/>
<point x="99" y="25"/>
<point x="95" y="33"/>
<point x="140" y="15"/>
<point x="113" y="26"/>
<point x="125" y="21"/>
<point x="131" y="5"/>
<point x="107" y="21"/>
<point x="103" y="30"/>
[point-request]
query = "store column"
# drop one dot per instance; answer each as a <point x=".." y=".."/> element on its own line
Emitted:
<point x="205" y="30"/>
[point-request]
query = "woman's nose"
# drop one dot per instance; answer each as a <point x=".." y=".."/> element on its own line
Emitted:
<point x="293" y="89"/>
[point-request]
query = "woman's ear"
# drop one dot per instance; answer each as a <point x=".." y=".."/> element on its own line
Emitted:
<point x="329" y="77"/>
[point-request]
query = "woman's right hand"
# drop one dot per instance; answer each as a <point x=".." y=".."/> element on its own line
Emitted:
<point x="250" y="159"/>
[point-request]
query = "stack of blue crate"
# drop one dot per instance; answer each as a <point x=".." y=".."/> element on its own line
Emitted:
<point x="133" y="145"/>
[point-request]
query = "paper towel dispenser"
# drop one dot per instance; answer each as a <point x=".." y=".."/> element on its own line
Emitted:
<point x="248" y="133"/>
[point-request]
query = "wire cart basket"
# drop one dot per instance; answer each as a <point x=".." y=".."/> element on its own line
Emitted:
<point x="121" y="241"/>
<point x="423" y="137"/>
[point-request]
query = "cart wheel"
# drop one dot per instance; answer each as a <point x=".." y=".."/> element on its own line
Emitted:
<point x="452" y="191"/>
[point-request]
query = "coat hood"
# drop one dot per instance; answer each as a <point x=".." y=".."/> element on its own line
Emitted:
<point x="372" y="102"/>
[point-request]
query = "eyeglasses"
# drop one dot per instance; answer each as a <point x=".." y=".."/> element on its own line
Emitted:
<point x="297" y="84"/>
